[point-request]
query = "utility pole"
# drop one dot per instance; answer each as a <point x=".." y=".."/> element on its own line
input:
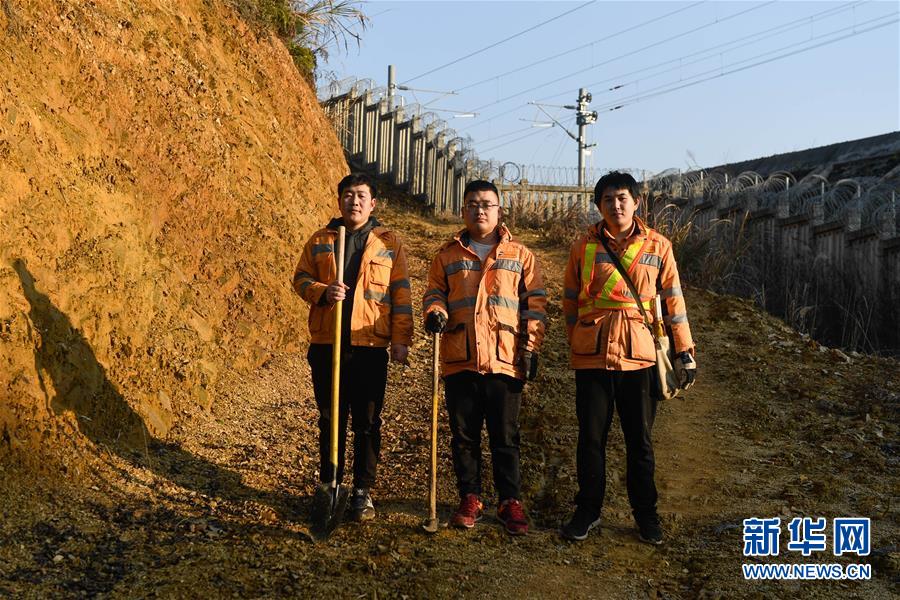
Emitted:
<point x="392" y="81"/>
<point x="583" y="117"/>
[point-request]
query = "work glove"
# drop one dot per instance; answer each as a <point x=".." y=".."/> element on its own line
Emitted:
<point x="685" y="369"/>
<point x="436" y="322"/>
<point x="528" y="362"/>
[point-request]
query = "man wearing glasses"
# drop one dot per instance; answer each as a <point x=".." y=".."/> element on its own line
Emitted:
<point x="376" y="313"/>
<point x="486" y="297"/>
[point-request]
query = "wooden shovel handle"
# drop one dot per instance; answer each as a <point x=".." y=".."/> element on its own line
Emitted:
<point x="336" y="355"/>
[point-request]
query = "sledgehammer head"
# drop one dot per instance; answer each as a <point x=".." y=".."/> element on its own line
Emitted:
<point x="430" y="525"/>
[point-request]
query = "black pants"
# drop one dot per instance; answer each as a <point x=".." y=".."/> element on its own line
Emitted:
<point x="472" y="400"/>
<point x="596" y="392"/>
<point x="363" y="379"/>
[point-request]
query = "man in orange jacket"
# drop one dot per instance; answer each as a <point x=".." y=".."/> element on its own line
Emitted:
<point x="376" y="313"/>
<point x="486" y="296"/>
<point x="613" y="353"/>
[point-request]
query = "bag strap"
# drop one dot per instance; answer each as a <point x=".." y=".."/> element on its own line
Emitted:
<point x="624" y="274"/>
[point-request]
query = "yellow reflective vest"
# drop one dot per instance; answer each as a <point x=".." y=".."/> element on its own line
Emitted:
<point x="605" y="327"/>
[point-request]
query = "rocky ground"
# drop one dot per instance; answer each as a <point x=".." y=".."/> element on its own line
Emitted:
<point x="776" y="426"/>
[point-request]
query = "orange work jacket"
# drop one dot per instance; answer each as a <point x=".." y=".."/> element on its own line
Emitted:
<point x="495" y="308"/>
<point x="382" y="309"/>
<point x="605" y="327"/>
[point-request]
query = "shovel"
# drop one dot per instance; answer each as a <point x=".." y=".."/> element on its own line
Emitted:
<point x="337" y="494"/>
<point x="431" y="525"/>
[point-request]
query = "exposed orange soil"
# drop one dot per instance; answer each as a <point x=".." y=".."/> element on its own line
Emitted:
<point x="159" y="164"/>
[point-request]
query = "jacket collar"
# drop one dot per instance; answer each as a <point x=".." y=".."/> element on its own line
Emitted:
<point x="599" y="229"/>
<point x="462" y="236"/>
<point x="373" y="225"/>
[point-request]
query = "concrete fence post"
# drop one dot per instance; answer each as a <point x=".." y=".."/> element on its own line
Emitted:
<point x="854" y="211"/>
<point x="887" y="225"/>
<point x="783" y="206"/>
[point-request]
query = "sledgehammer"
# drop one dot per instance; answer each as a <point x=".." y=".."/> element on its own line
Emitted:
<point x="431" y="525"/>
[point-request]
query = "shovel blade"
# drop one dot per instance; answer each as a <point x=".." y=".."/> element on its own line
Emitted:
<point x="339" y="500"/>
<point x="329" y="515"/>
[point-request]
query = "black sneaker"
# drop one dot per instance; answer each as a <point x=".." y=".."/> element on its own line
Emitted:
<point x="580" y="524"/>
<point x="650" y="531"/>
<point x="361" y="506"/>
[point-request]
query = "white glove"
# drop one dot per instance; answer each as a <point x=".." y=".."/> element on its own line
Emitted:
<point x="685" y="369"/>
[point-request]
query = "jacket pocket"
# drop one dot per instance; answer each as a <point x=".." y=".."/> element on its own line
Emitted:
<point x="642" y="346"/>
<point x="382" y="327"/>
<point x="586" y="336"/>
<point x="455" y="344"/>
<point x="378" y="295"/>
<point x="317" y="319"/>
<point x="506" y="343"/>
<point x="380" y="273"/>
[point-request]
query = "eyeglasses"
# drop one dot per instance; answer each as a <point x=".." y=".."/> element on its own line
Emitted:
<point x="475" y="207"/>
<point x="351" y="198"/>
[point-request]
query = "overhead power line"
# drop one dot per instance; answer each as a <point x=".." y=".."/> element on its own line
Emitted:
<point x="855" y="30"/>
<point x="720" y="48"/>
<point x="503" y="41"/>
<point x="760" y="35"/>
<point x="582" y="47"/>
<point x="627" y="54"/>
<point x="527" y="135"/>
<point x="503" y="135"/>
<point x="538" y="146"/>
<point x="555" y="161"/>
<point x="520" y="130"/>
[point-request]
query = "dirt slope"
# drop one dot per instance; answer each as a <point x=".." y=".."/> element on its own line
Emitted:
<point x="160" y="164"/>
<point x="776" y="426"/>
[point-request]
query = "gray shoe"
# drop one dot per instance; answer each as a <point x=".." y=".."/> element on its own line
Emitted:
<point x="361" y="506"/>
<point x="580" y="525"/>
<point x="650" y="531"/>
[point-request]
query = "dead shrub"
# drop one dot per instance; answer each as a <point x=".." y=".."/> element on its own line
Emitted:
<point x="555" y="226"/>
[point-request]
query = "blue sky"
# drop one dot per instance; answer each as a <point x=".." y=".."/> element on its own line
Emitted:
<point x="838" y="91"/>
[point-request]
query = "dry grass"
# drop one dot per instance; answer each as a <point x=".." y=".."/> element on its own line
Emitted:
<point x="813" y="296"/>
<point x="712" y="256"/>
<point x="308" y="28"/>
<point x="554" y="227"/>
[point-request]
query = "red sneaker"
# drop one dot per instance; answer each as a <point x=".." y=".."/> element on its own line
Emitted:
<point x="468" y="513"/>
<point x="512" y="514"/>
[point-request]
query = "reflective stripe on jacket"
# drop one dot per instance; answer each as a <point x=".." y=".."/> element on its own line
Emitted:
<point x="494" y="308"/>
<point x="382" y="309"/>
<point x="605" y="327"/>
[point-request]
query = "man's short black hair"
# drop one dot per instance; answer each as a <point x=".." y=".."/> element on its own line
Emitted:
<point x="480" y="185"/>
<point x="616" y="181"/>
<point x="358" y="179"/>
